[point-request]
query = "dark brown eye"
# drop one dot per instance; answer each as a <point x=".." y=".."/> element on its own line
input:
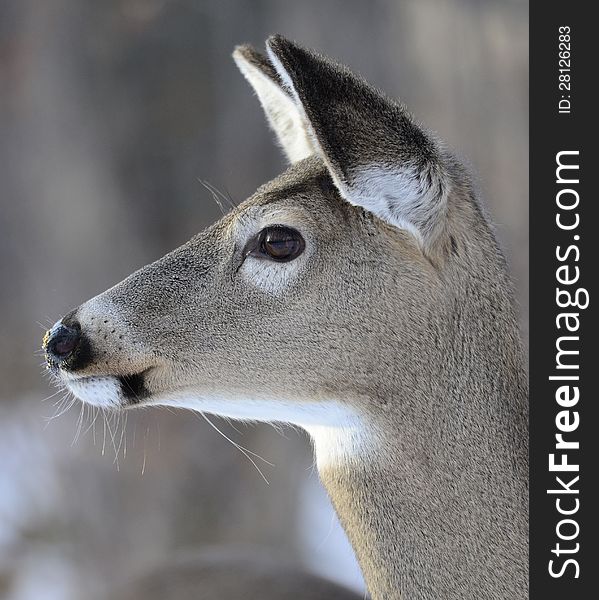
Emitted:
<point x="280" y="243"/>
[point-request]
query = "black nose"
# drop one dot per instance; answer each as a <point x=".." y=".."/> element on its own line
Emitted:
<point x="61" y="341"/>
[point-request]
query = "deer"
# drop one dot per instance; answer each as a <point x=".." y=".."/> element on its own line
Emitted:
<point x="363" y="297"/>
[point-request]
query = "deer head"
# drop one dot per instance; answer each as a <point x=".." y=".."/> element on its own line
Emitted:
<point x="360" y="295"/>
<point x="301" y="303"/>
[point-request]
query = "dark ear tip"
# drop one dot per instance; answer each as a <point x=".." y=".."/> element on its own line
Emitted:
<point x="249" y="54"/>
<point x="245" y="51"/>
<point x="274" y="39"/>
<point x="279" y="44"/>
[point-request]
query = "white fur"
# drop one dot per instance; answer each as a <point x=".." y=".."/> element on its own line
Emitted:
<point x="282" y="113"/>
<point x="104" y="392"/>
<point x="271" y="277"/>
<point x="336" y="445"/>
<point x="399" y="196"/>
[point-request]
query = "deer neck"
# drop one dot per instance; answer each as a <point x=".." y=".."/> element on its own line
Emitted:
<point x="436" y="509"/>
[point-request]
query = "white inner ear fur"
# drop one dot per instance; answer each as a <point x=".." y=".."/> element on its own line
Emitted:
<point x="284" y="116"/>
<point x="402" y="196"/>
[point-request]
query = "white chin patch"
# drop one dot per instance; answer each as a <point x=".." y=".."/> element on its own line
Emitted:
<point x="104" y="392"/>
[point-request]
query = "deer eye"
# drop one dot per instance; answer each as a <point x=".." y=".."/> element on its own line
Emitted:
<point x="278" y="243"/>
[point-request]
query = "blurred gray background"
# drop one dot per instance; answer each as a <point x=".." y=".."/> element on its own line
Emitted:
<point x="110" y="113"/>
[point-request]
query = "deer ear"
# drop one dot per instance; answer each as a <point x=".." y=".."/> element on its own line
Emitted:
<point x="378" y="157"/>
<point x="284" y="116"/>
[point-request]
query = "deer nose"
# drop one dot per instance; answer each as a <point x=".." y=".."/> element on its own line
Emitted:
<point x="61" y="341"/>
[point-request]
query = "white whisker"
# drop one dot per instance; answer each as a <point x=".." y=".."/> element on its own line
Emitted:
<point x="243" y="450"/>
<point x="143" y="466"/>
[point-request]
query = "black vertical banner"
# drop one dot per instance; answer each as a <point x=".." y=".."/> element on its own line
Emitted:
<point x="564" y="261"/>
